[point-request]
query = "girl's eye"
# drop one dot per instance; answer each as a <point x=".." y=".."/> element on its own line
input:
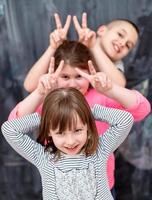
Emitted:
<point x="65" y="77"/>
<point x="60" y="133"/>
<point x="78" y="130"/>
<point x="79" y="76"/>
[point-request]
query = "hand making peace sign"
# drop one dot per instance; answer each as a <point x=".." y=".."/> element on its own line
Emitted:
<point x="99" y="80"/>
<point x="48" y="82"/>
<point x="60" y="33"/>
<point x="86" y="36"/>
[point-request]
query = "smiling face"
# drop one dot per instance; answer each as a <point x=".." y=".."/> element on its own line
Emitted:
<point x="72" y="140"/>
<point x="67" y="123"/>
<point x="70" y="78"/>
<point x="117" y="39"/>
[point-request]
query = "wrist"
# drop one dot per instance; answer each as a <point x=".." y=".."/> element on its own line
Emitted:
<point x="39" y="94"/>
<point x="52" y="48"/>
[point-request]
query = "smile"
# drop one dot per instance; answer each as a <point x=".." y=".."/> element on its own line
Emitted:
<point x="72" y="149"/>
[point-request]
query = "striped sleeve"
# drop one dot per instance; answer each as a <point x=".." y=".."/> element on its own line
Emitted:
<point x="120" y="125"/>
<point x="15" y="132"/>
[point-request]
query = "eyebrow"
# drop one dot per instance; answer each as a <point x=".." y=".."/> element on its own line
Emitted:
<point x="124" y="31"/>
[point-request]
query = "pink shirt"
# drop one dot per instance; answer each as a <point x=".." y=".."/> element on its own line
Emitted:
<point x="139" y="111"/>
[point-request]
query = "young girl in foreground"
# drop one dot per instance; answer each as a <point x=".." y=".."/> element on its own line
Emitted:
<point x="69" y="155"/>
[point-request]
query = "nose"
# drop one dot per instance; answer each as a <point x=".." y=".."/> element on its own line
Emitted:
<point x="70" y="141"/>
<point x="73" y="83"/>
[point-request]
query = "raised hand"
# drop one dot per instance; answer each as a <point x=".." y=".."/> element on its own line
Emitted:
<point x="86" y="36"/>
<point x="60" y="33"/>
<point x="99" y="80"/>
<point x="48" y="82"/>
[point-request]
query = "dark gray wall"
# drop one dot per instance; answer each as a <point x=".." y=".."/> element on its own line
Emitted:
<point x="24" y="35"/>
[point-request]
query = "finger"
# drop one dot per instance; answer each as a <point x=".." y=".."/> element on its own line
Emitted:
<point x="59" y="69"/>
<point x="91" y="68"/>
<point x="96" y="82"/>
<point x="51" y="66"/>
<point x="84" y="20"/>
<point x="83" y="74"/>
<point x="47" y="83"/>
<point x="57" y="21"/>
<point x="91" y="34"/>
<point x="77" y="24"/>
<point x="67" y="24"/>
<point x="56" y="35"/>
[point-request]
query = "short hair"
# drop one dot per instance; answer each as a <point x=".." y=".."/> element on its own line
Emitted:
<point x="59" y="111"/>
<point x="126" y="20"/>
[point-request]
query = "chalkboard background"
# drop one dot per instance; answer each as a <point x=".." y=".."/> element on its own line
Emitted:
<point x="24" y="35"/>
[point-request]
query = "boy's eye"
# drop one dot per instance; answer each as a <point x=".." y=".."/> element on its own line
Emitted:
<point x="120" y="34"/>
<point x="128" y="46"/>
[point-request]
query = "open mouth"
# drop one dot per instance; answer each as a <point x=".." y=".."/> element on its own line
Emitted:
<point x="116" y="48"/>
<point x="72" y="149"/>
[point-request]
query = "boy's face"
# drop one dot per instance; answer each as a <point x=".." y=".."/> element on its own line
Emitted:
<point x="117" y="39"/>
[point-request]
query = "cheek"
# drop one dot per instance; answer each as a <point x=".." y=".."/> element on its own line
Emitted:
<point x="125" y="52"/>
<point x="84" y="82"/>
<point x="86" y="85"/>
<point x="83" y="138"/>
<point x="57" y="141"/>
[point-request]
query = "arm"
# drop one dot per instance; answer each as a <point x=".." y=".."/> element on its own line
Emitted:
<point x="117" y="96"/>
<point x="42" y="65"/>
<point x="15" y="131"/>
<point x="38" y="69"/>
<point x="104" y="63"/>
<point x="120" y="125"/>
<point x="47" y="83"/>
<point x="103" y="84"/>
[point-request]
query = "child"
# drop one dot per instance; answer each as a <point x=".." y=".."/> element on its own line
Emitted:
<point x="111" y="45"/>
<point x="113" y="42"/>
<point x="72" y="163"/>
<point x="63" y="73"/>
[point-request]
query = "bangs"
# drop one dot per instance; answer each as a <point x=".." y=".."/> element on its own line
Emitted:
<point x="66" y="118"/>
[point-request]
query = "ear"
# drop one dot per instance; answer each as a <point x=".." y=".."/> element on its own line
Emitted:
<point x="101" y="30"/>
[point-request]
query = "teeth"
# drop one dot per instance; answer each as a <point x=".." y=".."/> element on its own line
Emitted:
<point x="116" y="47"/>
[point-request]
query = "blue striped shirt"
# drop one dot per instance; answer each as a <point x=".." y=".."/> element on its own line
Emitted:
<point x="71" y="177"/>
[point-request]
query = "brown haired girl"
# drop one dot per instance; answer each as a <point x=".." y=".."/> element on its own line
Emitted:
<point x="72" y="163"/>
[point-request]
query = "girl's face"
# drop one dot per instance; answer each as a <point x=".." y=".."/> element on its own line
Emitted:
<point x="71" y="141"/>
<point x="70" y="78"/>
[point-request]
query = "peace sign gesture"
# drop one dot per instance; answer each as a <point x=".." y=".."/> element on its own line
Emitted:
<point x="99" y="80"/>
<point x="48" y="82"/>
<point x="60" y="33"/>
<point x="86" y="36"/>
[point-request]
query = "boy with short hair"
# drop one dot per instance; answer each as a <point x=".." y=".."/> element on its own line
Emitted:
<point x="109" y="45"/>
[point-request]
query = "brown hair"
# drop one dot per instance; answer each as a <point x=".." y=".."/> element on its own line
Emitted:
<point x="73" y="53"/>
<point x="59" y="111"/>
